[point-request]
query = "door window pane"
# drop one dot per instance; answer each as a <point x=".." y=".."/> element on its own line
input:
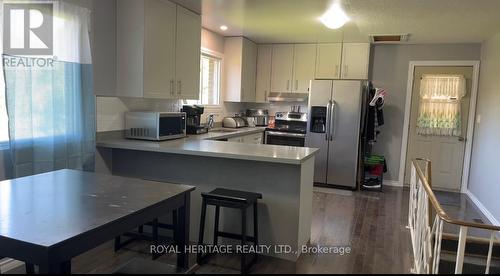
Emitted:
<point x="440" y="102"/>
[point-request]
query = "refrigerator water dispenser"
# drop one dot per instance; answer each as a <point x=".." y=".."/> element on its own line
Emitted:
<point x="318" y="119"/>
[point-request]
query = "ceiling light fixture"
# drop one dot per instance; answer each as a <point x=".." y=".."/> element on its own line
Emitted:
<point x="223" y="28"/>
<point x="334" y="17"/>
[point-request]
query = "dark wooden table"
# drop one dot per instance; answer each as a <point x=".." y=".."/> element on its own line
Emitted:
<point x="49" y="218"/>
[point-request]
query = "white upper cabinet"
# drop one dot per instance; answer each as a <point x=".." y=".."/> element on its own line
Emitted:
<point x="240" y="62"/>
<point x="342" y="61"/>
<point x="188" y="41"/>
<point x="158" y="50"/>
<point x="304" y="62"/>
<point x="263" y="82"/>
<point x="104" y="47"/>
<point x="248" y="71"/>
<point x="328" y="61"/>
<point x="292" y="67"/>
<point x="355" y="61"/>
<point x="130" y="48"/>
<point x="282" y="68"/>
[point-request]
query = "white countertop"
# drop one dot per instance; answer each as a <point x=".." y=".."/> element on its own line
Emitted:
<point x="206" y="145"/>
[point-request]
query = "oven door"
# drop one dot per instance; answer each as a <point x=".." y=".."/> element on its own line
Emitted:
<point x="171" y="126"/>
<point x="285" y="139"/>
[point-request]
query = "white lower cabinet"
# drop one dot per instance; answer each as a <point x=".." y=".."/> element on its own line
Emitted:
<point x="256" y="138"/>
<point x="235" y="139"/>
<point x="253" y="138"/>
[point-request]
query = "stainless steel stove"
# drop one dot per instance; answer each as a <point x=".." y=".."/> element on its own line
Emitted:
<point x="289" y="129"/>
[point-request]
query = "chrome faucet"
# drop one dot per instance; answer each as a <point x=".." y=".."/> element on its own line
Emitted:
<point x="210" y="121"/>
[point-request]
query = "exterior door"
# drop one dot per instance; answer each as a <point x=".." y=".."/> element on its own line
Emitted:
<point x="445" y="152"/>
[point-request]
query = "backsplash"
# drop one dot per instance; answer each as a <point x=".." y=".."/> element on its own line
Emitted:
<point x="276" y="106"/>
<point x="111" y="110"/>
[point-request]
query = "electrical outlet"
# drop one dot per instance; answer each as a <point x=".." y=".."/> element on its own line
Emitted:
<point x="478" y="119"/>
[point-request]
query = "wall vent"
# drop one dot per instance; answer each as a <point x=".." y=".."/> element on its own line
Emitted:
<point x="389" y="38"/>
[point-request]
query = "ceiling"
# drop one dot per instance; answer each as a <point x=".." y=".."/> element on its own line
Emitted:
<point x="283" y="21"/>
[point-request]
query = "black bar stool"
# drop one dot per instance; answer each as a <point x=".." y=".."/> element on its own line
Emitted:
<point x="231" y="199"/>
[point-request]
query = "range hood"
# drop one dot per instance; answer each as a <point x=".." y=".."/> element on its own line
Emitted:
<point x="288" y="97"/>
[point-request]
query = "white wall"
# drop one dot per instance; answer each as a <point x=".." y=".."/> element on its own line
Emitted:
<point x="389" y="69"/>
<point x="485" y="163"/>
<point x="212" y="41"/>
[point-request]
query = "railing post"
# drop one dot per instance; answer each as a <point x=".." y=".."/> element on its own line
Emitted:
<point x="490" y="251"/>
<point x="429" y="172"/>
<point x="437" y="249"/>
<point x="462" y="239"/>
<point x="426" y="240"/>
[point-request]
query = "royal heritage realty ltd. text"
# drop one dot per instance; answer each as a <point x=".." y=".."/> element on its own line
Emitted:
<point x="249" y="249"/>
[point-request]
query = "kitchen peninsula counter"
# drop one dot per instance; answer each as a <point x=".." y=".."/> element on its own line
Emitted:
<point x="282" y="174"/>
<point x="208" y="145"/>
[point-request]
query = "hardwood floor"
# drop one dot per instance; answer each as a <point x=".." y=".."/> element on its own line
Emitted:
<point x="372" y="224"/>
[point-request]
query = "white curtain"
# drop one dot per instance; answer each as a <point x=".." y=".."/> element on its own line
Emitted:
<point x="440" y="102"/>
<point x="4" y="135"/>
<point x="51" y="108"/>
<point x="71" y="33"/>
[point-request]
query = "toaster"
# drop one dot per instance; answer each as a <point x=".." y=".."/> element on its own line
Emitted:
<point x="234" y="122"/>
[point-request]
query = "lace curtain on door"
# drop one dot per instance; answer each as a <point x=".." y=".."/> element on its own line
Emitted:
<point x="440" y="101"/>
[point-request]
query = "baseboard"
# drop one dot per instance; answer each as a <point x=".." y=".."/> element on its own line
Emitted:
<point x="393" y="183"/>
<point x="482" y="208"/>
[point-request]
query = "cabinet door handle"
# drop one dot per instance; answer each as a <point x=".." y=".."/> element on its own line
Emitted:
<point x="296" y="85"/>
<point x="171" y="87"/>
<point x="288" y="85"/>
<point x="179" y="84"/>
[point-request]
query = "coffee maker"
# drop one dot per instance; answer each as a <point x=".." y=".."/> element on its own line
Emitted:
<point x="193" y="119"/>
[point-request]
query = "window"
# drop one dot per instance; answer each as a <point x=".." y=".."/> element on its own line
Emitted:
<point x="210" y="80"/>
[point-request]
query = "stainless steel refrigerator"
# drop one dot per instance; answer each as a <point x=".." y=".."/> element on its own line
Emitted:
<point x="335" y="111"/>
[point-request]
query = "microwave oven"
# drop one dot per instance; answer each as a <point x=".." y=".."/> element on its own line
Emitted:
<point x="155" y="126"/>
